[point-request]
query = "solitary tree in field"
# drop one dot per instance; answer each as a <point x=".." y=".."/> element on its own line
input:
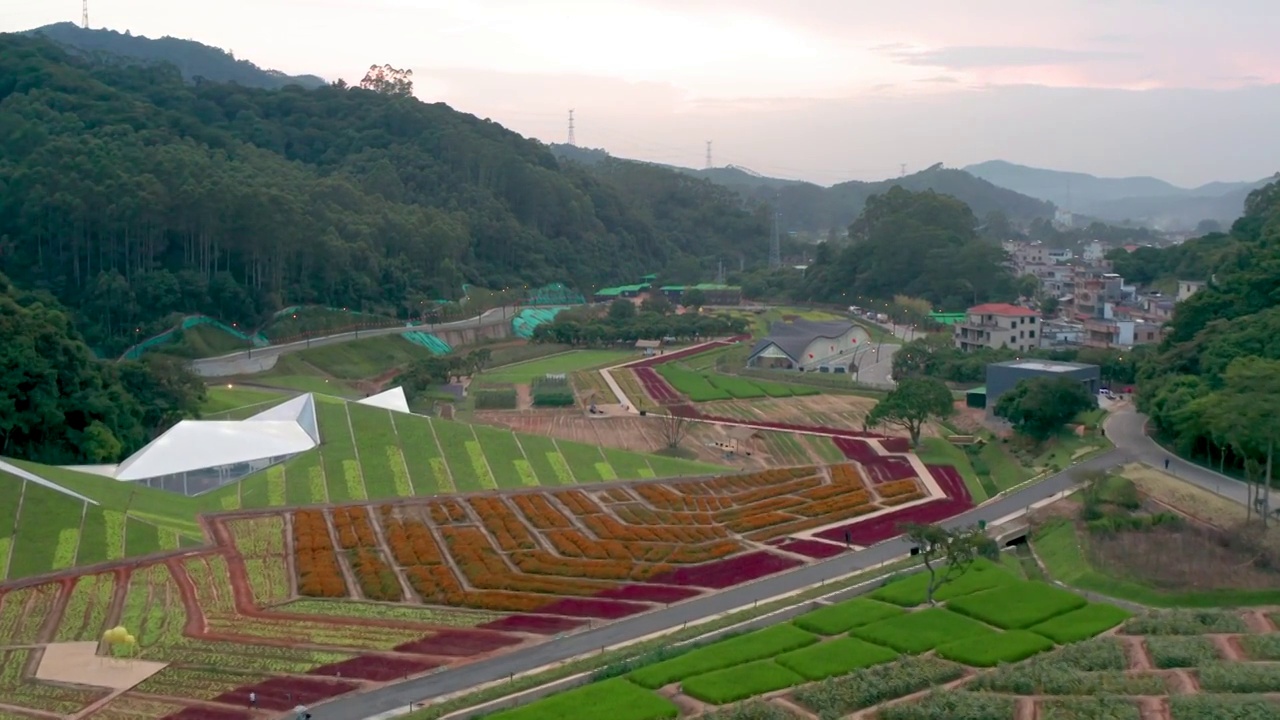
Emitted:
<point x="955" y="550"/>
<point x="674" y="429"/>
<point x="915" y="401"/>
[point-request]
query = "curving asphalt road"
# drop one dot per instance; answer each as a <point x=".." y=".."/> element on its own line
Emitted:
<point x="247" y="362"/>
<point x="1124" y="427"/>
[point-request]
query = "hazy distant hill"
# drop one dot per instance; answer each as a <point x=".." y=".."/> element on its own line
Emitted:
<point x="193" y="59"/>
<point x="1141" y="199"/>
<point x="814" y="208"/>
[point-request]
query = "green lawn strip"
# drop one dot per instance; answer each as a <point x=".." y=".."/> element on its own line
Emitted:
<point x="614" y="699"/>
<point x="502" y="452"/>
<point x="665" y="467"/>
<point x="93" y="534"/>
<point x="1169" y="651"/>
<point x="1262" y="647"/>
<point x="1222" y="707"/>
<point x="1006" y="647"/>
<point x="364" y="358"/>
<point x="937" y="451"/>
<point x="910" y="591"/>
<point x="921" y="631"/>
<point x="220" y="398"/>
<point x="308" y="383"/>
<point x="1003" y="470"/>
<point x="1017" y="606"/>
<point x="304" y="480"/>
<point x="839" y="696"/>
<point x="582" y="460"/>
<point x="536" y="449"/>
<point x="45" y="514"/>
<point x="1047" y="675"/>
<point x="741" y="682"/>
<point x="159" y="507"/>
<point x="10" y="497"/>
<point x="140" y="538"/>
<point x="1082" y="624"/>
<point x="825" y="449"/>
<point x="1185" y="622"/>
<point x="379" y="446"/>
<point x="421" y="455"/>
<point x="843" y="617"/>
<point x="1094" y="708"/>
<point x="566" y="363"/>
<point x="453" y="438"/>
<point x="757" y="645"/>
<point x="337" y="452"/>
<point x="1059" y="547"/>
<point x="838" y="657"/>
<point x="1241" y="678"/>
<point x="628" y="465"/>
<point x="952" y="704"/>
<point x="388" y="611"/>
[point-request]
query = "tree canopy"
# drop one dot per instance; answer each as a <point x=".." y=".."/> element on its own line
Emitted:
<point x="1039" y="407"/>
<point x="912" y="403"/>
<point x="133" y="196"/>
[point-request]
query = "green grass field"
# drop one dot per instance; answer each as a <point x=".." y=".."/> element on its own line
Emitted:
<point x="858" y="653"/>
<point x="569" y="362"/>
<point x="222" y="399"/>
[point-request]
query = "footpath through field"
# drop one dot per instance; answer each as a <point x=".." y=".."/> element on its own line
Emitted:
<point x="1120" y="427"/>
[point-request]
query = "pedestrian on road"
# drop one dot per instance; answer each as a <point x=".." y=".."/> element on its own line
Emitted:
<point x="1166" y="463"/>
<point x="253" y="699"/>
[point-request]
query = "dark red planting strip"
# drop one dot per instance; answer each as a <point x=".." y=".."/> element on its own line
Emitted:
<point x="649" y="593"/>
<point x="592" y="608"/>
<point x="537" y="624"/>
<point x="884" y="527"/>
<point x="728" y="572"/>
<point x="193" y="713"/>
<point x="458" y="643"/>
<point x="812" y="548"/>
<point x="285" y="693"/>
<point x="375" y="668"/>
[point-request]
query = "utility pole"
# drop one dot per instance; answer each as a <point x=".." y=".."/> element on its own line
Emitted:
<point x="572" y="140"/>
<point x="708" y="154"/>
<point x="775" y="244"/>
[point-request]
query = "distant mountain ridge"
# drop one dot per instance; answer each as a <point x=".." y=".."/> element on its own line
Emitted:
<point x="193" y="59"/>
<point x="813" y="208"/>
<point x="1148" y="200"/>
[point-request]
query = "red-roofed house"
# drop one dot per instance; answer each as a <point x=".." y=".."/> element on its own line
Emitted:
<point x="997" y="325"/>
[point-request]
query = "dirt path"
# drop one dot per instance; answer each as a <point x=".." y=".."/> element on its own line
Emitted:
<point x="1026" y="709"/>
<point x="524" y="396"/>
<point x="1228" y="647"/>
<point x="1259" y="621"/>
<point x="1136" y="651"/>
<point x="290" y="559"/>
<point x="1153" y="708"/>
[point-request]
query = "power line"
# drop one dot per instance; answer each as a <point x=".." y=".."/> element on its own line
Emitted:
<point x="572" y="140"/>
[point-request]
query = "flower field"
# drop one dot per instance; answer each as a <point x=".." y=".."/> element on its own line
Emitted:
<point x="864" y="655"/>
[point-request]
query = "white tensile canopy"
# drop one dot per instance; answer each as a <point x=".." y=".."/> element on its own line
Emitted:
<point x="392" y="399"/>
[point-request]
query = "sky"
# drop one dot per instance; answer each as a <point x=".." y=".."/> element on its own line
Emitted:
<point x="819" y="90"/>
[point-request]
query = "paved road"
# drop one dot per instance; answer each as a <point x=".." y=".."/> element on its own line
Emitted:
<point x="1124" y="427"/>
<point x="247" y="362"/>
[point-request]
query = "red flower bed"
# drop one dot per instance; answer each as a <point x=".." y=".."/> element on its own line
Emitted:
<point x="285" y="693"/>
<point x="374" y="667"/>
<point x="657" y="388"/>
<point x="592" y="608"/>
<point x="684" y="411"/>
<point x="696" y="350"/>
<point x="458" y="643"/>
<point x="728" y="572"/>
<point x="896" y="444"/>
<point x="888" y="469"/>
<point x="538" y="624"/>
<point x="811" y="548"/>
<point x="203" y="713"/>
<point x="858" y="450"/>
<point x="649" y="593"/>
<point x="879" y="529"/>
<point x="832" y="431"/>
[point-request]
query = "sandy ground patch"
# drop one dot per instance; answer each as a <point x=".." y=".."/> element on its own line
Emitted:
<point x="79" y="663"/>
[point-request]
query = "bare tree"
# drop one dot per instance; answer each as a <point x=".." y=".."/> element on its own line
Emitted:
<point x="674" y="429"/>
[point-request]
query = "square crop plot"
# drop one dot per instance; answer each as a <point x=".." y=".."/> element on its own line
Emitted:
<point x="922" y="631"/>
<point x="1082" y="624"/>
<point x="741" y="682"/>
<point x="458" y="643"/>
<point x="375" y="668"/>
<point x="1006" y="647"/>
<point x="729" y="653"/>
<point x="614" y="699"/>
<point x="910" y="591"/>
<point x="838" y="657"/>
<point x="841" y="618"/>
<point x="1018" y="606"/>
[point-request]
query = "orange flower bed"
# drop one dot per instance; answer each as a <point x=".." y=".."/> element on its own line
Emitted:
<point x="897" y="488"/>
<point x="790" y="487"/>
<point x="411" y="542"/>
<point x="664" y="498"/>
<point x="796" y="526"/>
<point x="902" y="499"/>
<point x="448" y="512"/>
<point x="604" y="526"/>
<point x="540" y="512"/>
<point x="577" y="502"/>
<point x="437" y="585"/>
<point x="748" y="523"/>
<point x="823" y="508"/>
<point x="319" y="574"/>
<point x="847" y="475"/>
<point x="826" y="491"/>
<point x="485" y="568"/>
<point x="354" y="530"/>
<point x="637" y="514"/>
<point x="616" y="495"/>
<point x="505" y="526"/>
<point x="541" y="562"/>
<point x="763" y="506"/>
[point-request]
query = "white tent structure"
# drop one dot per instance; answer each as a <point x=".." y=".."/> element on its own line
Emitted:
<point x="196" y="456"/>
<point x="392" y="399"/>
<point x="23" y="474"/>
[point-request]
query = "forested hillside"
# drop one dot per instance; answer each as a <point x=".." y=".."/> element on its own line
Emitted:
<point x="194" y="60"/>
<point x="131" y="195"/>
<point x="1197" y="392"/>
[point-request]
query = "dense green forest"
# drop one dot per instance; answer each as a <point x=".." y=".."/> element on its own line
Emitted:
<point x="1235" y="318"/>
<point x="131" y="196"/>
<point x="196" y="61"/>
<point x="60" y="404"/>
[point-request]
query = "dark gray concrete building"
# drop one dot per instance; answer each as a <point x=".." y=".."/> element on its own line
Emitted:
<point x="1002" y="376"/>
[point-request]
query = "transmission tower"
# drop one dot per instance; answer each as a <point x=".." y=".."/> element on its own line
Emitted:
<point x="775" y="243"/>
<point x="708" y="154"/>
<point x="572" y="140"/>
<point x="902" y="170"/>
<point x="84" y="14"/>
